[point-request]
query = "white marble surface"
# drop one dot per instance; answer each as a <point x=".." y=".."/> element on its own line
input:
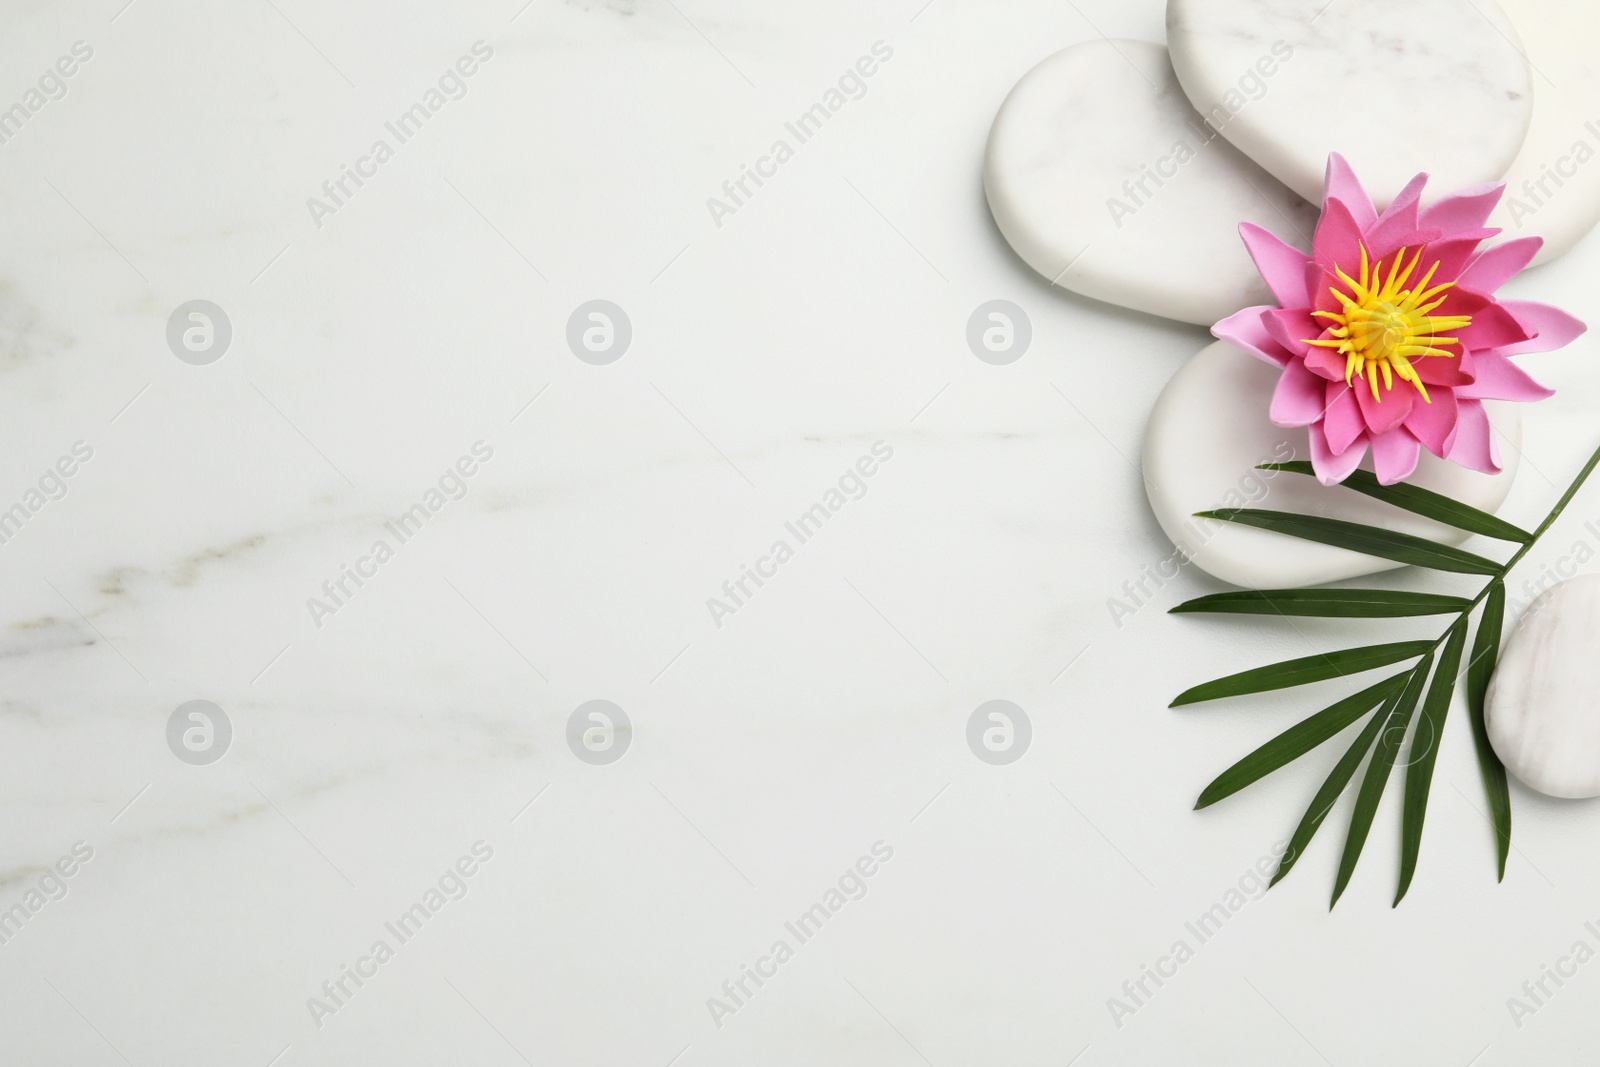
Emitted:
<point x="1398" y="88"/>
<point x="1543" y="707"/>
<point x="767" y="755"/>
<point x="1108" y="183"/>
<point x="1553" y="186"/>
<point x="1201" y="453"/>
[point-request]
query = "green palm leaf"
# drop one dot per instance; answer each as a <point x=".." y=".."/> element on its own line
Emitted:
<point x="1485" y="653"/>
<point x="1305" y="670"/>
<point x="1332" y="786"/>
<point x="1327" y="603"/>
<point x="1368" y="540"/>
<point x="1398" y="698"/>
<point x="1383" y="754"/>
<point x="1419" y="775"/>
<point x="1420" y="501"/>
<point x="1297" y="740"/>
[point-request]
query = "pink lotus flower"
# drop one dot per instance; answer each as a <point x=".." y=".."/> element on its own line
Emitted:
<point x="1389" y="333"/>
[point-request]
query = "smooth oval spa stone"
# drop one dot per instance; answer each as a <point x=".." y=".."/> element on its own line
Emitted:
<point x="1104" y="180"/>
<point x="1543" y="707"/>
<point x="1208" y="432"/>
<point x="1396" y="86"/>
<point x="1553" y="187"/>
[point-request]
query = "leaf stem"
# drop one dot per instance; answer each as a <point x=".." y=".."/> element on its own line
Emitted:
<point x="1516" y="558"/>
<point x="1555" y="513"/>
<point x="1397" y="712"/>
<point x="1417" y="795"/>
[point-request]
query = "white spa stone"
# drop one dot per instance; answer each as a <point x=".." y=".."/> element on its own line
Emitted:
<point x="1543" y="707"/>
<point x="1209" y="430"/>
<point x="1066" y="154"/>
<point x="1396" y="86"/>
<point x="1553" y="187"/>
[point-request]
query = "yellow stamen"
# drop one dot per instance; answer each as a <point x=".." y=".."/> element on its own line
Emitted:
<point x="1385" y="325"/>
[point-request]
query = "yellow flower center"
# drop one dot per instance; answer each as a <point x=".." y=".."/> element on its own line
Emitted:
<point x="1385" y="325"/>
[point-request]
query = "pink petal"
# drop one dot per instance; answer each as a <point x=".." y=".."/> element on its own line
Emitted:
<point x="1384" y="245"/>
<point x="1451" y="254"/>
<point x="1400" y="218"/>
<point x="1332" y="469"/>
<point x="1467" y="210"/>
<point x="1298" y="399"/>
<point x="1436" y="370"/>
<point x="1390" y="410"/>
<point x="1244" y="330"/>
<point x="1500" y="379"/>
<point x="1342" y="424"/>
<point x="1292" y="328"/>
<point x="1282" y="265"/>
<point x="1325" y="363"/>
<point x="1343" y="185"/>
<point x="1432" y="424"/>
<point x="1495" y="266"/>
<point x="1473" y="445"/>
<point x="1493" y="326"/>
<point x="1338" y="238"/>
<point x="1395" y="455"/>
<point x="1463" y="301"/>
<point x="1319" y="286"/>
<point x="1548" y="328"/>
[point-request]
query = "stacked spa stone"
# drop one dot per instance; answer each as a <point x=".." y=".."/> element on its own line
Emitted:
<point x="1121" y="170"/>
